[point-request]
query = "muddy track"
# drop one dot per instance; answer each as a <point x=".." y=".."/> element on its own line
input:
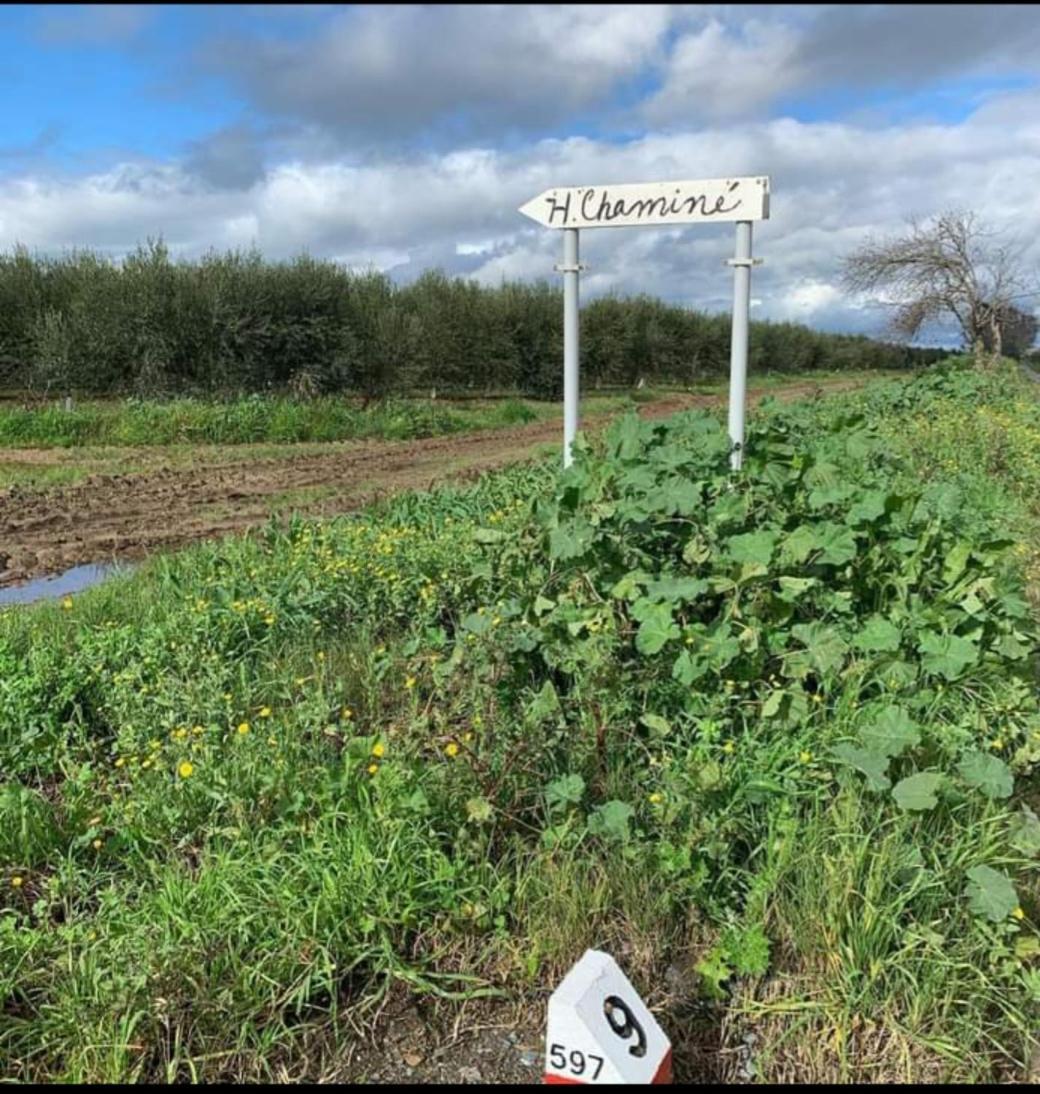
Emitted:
<point x="113" y="517"/>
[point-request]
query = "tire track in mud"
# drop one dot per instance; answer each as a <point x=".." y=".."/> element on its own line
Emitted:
<point x="110" y="517"/>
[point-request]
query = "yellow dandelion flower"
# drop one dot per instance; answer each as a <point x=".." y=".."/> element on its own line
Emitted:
<point x="347" y="713"/>
<point x="96" y="845"/>
<point x="243" y="728"/>
<point x="452" y="749"/>
<point x="67" y="603"/>
<point x="805" y="757"/>
<point x="378" y="750"/>
<point x="1018" y="913"/>
<point x="409" y="683"/>
<point x="185" y="769"/>
<point x="656" y="799"/>
<point x="728" y="748"/>
<point x="265" y="712"/>
<point x="121" y="761"/>
<point x="16" y="882"/>
<point x="373" y="768"/>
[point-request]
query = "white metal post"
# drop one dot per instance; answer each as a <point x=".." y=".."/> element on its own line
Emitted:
<point x="738" y="358"/>
<point x="570" y="270"/>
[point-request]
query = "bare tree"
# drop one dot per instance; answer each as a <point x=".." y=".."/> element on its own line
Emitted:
<point x="1019" y="330"/>
<point x="953" y="268"/>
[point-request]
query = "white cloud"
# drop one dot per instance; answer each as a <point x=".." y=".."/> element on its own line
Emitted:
<point x="832" y="185"/>
<point x="390" y="73"/>
<point x="715" y="73"/>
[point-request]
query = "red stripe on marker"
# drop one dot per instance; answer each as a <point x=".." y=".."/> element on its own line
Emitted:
<point x="662" y="1077"/>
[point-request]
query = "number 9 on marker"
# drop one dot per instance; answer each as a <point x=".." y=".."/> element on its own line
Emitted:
<point x="600" y="1031"/>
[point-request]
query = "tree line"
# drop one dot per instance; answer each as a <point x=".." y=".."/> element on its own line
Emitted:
<point x="234" y="322"/>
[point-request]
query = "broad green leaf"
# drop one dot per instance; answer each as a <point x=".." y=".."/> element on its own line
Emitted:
<point x="752" y="547"/>
<point x="543" y="604"/>
<point x="625" y="435"/>
<point x="567" y="790"/>
<point x="709" y="775"/>
<point x="544" y="704"/>
<point x="1027" y="946"/>
<point x="877" y="635"/>
<point x="947" y="655"/>
<point x="822" y="473"/>
<point x="656" y="724"/>
<point x="916" y="793"/>
<point x="987" y="773"/>
<point x="479" y="810"/>
<point x="656" y="629"/>
<point x="688" y="669"/>
<point x="729" y="509"/>
<point x="872" y="765"/>
<point x="570" y="540"/>
<point x="836" y="494"/>
<point x="1010" y="647"/>
<point x="793" y="587"/>
<point x="870" y="506"/>
<point x="799" y="544"/>
<point x="476" y="623"/>
<point x="677" y="588"/>
<point x="611" y="820"/>
<point x="891" y="732"/>
<point x="859" y="444"/>
<point x="825" y="645"/>
<point x="837" y="545"/>
<point x="750" y="570"/>
<point x="685" y="495"/>
<point x="1025" y="833"/>
<point x="629" y="586"/>
<point x="696" y="551"/>
<point x="489" y="535"/>
<point x="896" y="674"/>
<point x="956" y="559"/>
<point x="774" y="701"/>
<point x="991" y="893"/>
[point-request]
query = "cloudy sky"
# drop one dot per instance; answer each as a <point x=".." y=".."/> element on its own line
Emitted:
<point x="406" y="137"/>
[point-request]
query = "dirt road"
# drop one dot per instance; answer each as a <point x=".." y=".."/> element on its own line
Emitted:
<point x="116" y="517"/>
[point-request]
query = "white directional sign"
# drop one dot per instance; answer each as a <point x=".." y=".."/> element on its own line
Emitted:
<point x="600" y="1031"/>
<point x="646" y="204"/>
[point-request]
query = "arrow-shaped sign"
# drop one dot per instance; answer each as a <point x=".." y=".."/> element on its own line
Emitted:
<point x="650" y="203"/>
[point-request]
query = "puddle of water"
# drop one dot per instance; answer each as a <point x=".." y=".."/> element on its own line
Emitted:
<point x="71" y="581"/>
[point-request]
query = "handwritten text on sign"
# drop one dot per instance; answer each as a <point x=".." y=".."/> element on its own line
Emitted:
<point x="651" y="203"/>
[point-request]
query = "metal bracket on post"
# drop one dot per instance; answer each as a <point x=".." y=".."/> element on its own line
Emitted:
<point x="743" y="261"/>
<point x="559" y="267"/>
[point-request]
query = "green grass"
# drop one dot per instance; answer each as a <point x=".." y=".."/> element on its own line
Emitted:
<point x="281" y="420"/>
<point x="257" y="420"/>
<point x="466" y="758"/>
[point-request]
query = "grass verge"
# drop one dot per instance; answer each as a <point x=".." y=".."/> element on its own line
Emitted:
<point x="773" y="737"/>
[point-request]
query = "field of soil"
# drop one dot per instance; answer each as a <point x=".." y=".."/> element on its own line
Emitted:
<point x="115" y="517"/>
